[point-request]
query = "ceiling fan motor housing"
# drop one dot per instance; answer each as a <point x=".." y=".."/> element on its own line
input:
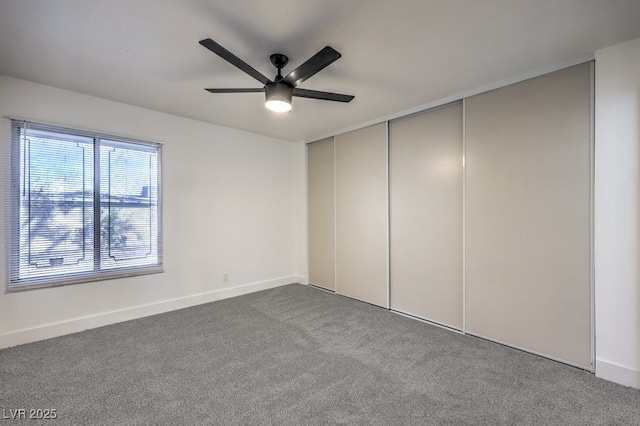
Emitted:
<point x="279" y="93"/>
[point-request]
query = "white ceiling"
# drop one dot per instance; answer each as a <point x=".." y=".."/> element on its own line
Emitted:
<point x="396" y="55"/>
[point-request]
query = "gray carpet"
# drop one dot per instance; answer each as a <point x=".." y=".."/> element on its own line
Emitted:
<point x="298" y="355"/>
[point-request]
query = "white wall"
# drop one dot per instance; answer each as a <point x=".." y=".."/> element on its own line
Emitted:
<point x="617" y="213"/>
<point x="231" y="204"/>
<point x="302" y="212"/>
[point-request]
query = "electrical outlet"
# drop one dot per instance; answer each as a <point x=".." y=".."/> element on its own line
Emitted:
<point x="225" y="277"/>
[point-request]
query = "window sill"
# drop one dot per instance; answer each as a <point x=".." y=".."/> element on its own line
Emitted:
<point x="25" y="285"/>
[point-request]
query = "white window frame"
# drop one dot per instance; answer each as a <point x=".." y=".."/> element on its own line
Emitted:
<point x="17" y="283"/>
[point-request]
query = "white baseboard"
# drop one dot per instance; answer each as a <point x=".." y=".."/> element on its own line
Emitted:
<point x="301" y="280"/>
<point x="75" y="325"/>
<point x="617" y="374"/>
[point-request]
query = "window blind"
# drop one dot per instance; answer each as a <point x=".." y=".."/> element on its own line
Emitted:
<point x="84" y="206"/>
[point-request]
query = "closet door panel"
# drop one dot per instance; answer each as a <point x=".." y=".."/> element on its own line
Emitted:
<point x="528" y="215"/>
<point x="425" y="191"/>
<point x="321" y="214"/>
<point x="362" y="214"/>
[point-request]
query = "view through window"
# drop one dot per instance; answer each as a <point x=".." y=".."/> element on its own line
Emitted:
<point x="87" y="206"/>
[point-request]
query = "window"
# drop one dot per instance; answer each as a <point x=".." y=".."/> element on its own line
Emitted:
<point x="85" y="207"/>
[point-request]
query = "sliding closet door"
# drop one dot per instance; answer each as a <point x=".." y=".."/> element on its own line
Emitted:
<point x="321" y="217"/>
<point x="361" y="214"/>
<point x="425" y="191"/>
<point x="528" y="215"/>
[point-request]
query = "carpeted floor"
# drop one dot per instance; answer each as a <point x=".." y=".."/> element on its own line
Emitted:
<point x="296" y="355"/>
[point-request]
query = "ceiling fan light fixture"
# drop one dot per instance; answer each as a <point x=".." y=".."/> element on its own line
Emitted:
<point x="280" y="90"/>
<point x="278" y="97"/>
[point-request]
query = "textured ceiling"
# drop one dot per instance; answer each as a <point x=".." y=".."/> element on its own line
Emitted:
<point x="396" y="55"/>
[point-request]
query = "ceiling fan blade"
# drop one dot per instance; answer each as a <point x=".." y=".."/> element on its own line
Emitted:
<point x="235" y="90"/>
<point x="327" y="96"/>
<point x="317" y="62"/>
<point x="234" y="60"/>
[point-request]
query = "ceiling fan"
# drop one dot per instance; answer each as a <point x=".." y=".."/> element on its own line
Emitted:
<point x="280" y="90"/>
